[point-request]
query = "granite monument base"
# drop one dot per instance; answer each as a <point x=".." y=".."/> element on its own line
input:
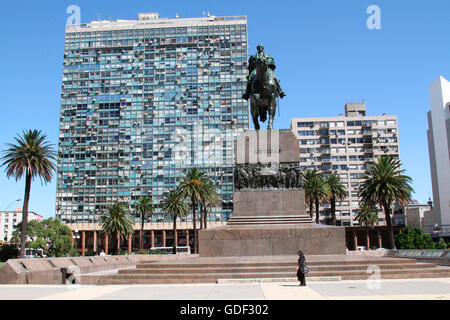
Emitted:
<point x="238" y="241"/>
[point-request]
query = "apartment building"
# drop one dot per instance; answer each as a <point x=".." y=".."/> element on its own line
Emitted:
<point x="9" y="220"/>
<point x="346" y="145"/>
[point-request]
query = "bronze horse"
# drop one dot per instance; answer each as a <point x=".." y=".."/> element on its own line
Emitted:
<point x="264" y="93"/>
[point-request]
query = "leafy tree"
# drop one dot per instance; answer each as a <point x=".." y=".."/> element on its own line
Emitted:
<point x="145" y="208"/>
<point x="117" y="221"/>
<point x="49" y="235"/>
<point x="384" y="184"/>
<point x="173" y="204"/>
<point x="337" y="191"/>
<point x="31" y="156"/>
<point x="367" y="216"/>
<point x="414" y="238"/>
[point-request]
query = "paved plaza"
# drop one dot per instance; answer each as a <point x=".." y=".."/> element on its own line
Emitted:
<point x="411" y="289"/>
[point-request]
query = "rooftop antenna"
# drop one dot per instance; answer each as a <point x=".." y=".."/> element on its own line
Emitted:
<point x="208" y="14"/>
<point x="177" y="16"/>
<point x="203" y="12"/>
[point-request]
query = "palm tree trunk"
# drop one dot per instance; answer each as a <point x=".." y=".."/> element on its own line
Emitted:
<point x="141" y="235"/>
<point x="317" y="211"/>
<point x="175" y="237"/>
<point x="195" y="224"/>
<point x="367" y="238"/>
<point x="26" y="199"/>
<point x="333" y="211"/>
<point x="387" y="213"/>
<point x="311" y="207"/>
<point x="118" y="243"/>
<point x="201" y="215"/>
<point x="205" y="219"/>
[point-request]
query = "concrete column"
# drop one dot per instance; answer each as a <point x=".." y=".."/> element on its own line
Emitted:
<point x="83" y="242"/>
<point x="129" y="243"/>
<point x="152" y="239"/>
<point x="94" y="237"/>
<point x="175" y="238"/>
<point x="106" y="243"/>
<point x="187" y="238"/>
<point x="164" y="238"/>
<point x="355" y="240"/>
<point x="380" y="240"/>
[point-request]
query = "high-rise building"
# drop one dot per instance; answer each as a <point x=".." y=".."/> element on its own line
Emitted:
<point x="346" y="145"/>
<point x="439" y="150"/>
<point x="142" y="100"/>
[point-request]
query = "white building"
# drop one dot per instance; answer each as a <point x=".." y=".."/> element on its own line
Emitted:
<point x="439" y="150"/>
<point x="347" y="145"/>
<point x="9" y="220"/>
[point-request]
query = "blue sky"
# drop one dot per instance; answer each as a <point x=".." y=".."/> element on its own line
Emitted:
<point x="325" y="54"/>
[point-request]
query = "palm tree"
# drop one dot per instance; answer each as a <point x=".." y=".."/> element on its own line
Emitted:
<point x="383" y="185"/>
<point x="173" y="204"/>
<point x="210" y="197"/>
<point x="145" y="208"/>
<point x="337" y="192"/>
<point x="367" y="215"/>
<point x="318" y="191"/>
<point x="309" y="176"/>
<point x="117" y="221"/>
<point x="32" y="156"/>
<point x="192" y="188"/>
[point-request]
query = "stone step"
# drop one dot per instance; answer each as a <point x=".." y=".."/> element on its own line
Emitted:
<point x="225" y="269"/>
<point x="154" y="265"/>
<point x="265" y="274"/>
<point x="252" y="220"/>
<point x="213" y="278"/>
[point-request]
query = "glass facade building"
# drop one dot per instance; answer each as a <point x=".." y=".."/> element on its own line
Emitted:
<point x="142" y="101"/>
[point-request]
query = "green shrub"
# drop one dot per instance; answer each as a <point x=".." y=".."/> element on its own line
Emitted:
<point x="142" y="251"/>
<point x="8" y="252"/>
<point x="441" y="244"/>
<point x="414" y="238"/>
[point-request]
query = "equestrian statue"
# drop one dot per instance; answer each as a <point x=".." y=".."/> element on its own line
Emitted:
<point x="263" y="88"/>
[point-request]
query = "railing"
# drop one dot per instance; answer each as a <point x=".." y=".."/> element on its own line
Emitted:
<point x="169" y="250"/>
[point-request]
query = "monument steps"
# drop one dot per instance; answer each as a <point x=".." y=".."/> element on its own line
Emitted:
<point x="160" y="273"/>
<point x="271" y="220"/>
<point x="287" y="268"/>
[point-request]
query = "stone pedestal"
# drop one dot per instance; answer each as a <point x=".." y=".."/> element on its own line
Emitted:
<point x="269" y="215"/>
<point x="238" y="241"/>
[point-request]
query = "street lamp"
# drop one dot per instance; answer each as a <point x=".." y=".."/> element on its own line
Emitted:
<point x="12" y="203"/>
